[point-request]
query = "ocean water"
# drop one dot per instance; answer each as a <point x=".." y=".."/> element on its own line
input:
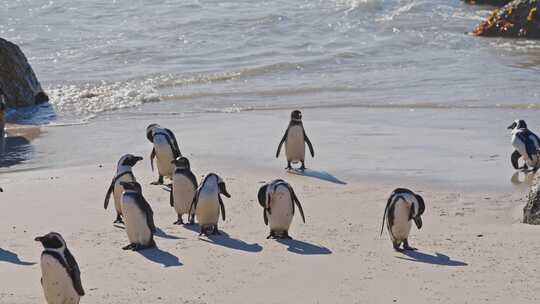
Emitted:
<point x="196" y="56"/>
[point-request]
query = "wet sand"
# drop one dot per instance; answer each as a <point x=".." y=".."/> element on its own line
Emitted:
<point x="472" y="248"/>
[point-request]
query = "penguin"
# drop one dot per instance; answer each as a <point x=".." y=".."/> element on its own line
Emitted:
<point x="60" y="274"/>
<point x="165" y="149"/>
<point x="526" y="145"/>
<point x="403" y="206"/>
<point x="183" y="188"/>
<point x="207" y="203"/>
<point x="294" y="139"/>
<point x="278" y="199"/>
<point x="139" y="218"/>
<point x="123" y="174"/>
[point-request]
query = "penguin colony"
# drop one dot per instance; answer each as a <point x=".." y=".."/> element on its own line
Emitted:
<point x="202" y="203"/>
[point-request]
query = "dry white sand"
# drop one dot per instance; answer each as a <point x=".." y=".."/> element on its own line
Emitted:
<point x="472" y="248"/>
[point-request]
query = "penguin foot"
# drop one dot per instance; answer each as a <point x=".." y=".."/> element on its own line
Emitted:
<point x="118" y="221"/>
<point x="215" y="230"/>
<point x="288" y="168"/>
<point x="156" y="183"/>
<point x="190" y="223"/>
<point x="129" y="247"/>
<point x="179" y="221"/>
<point x="397" y="248"/>
<point x="139" y="247"/>
<point x="285" y="236"/>
<point x="407" y="247"/>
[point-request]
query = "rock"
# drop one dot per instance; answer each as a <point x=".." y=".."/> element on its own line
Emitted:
<point x="488" y="2"/>
<point x="531" y="211"/>
<point x="519" y="18"/>
<point x="17" y="79"/>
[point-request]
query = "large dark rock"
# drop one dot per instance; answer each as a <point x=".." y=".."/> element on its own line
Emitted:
<point x="488" y="2"/>
<point x="17" y="79"/>
<point x="531" y="211"/>
<point x="519" y="18"/>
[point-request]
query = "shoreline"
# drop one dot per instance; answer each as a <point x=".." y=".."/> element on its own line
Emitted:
<point x="337" y="256"/>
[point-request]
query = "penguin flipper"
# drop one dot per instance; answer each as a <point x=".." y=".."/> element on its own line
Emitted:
<point x="386" y="210"/>
<point x="174" y="143"/>
<point x="192" y="178"/>
<point x="148" y="211"/>
<point x="265" y="217"/>
<point x="74" y="272"/>
<point x="193" y="206"/>
<point x="108" y="195"/>
<point x="171" y="198"/>
<point x="281" y="143"/>
<point x="222" y="206"/>
<point x="152" y="155"/>
<point x="261" y="196"/>
<point x="297" y="202"/>
<point x="310" y="146"/>
<point x="514" y="159"/>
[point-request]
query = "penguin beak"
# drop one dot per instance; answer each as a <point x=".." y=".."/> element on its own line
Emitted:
<point x="138" y="158"/>
<point x="223" y="190"/>
<point x="512" y="126"/>
<point x="418" y="222"/>
<point x="39" y="239"/>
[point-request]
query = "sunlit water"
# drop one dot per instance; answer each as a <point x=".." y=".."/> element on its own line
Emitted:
<point x="198" y="56"/>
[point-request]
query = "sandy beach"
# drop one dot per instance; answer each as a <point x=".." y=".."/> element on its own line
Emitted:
<point x="472" y="248"/>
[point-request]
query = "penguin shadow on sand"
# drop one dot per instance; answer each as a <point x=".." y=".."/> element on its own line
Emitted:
<point x="437" y="259"/>
<point x="322" y="175"/>
<point x="159" y="233"/>
<point x="162" y="234"/>
<point x="304" y="248"/>
<point x="226" y="241"/>
<point x="159" y="256"/>
<point x="13" y="258"/>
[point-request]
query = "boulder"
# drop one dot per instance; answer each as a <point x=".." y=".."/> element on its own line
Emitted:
<point x="519" y="18"/>
<point x="488" y="2"/>
<point x="531" y="211"/>
<point x="18" y="82"/>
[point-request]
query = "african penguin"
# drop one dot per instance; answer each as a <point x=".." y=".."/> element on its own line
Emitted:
<point x="526" y="145"/>
<point x="60" y="274"/>
<point x="165" y="150"/>
<point x="278" y="199"/>
<point x="183" y="188"/>
<point x="207" y="203"/>
<point x="294" y="139"/>
<point x="139" y="218"/>
<point x="123" y="174"/>
<point x="403" y="207"/>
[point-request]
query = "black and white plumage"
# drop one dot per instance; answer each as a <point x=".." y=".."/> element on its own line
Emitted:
<point x="402" y="208"/>
<point x="124" y="173"/>
<point x="165" y="150"/>
<point x="138" y="216"/>
<point x="526" y="145"/>
<point x="183" y="189"/>
<point x="60" y="274"/>
<point x="207" y="204"/>
<point x="295" y="138"/>
<point x="278" y="201"/>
